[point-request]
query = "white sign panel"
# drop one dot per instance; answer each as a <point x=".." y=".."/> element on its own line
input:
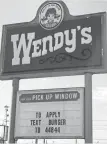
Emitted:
<point x="55" y="113"/>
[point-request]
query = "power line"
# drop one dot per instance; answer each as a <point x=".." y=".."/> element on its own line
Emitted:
<point x="99" y="120"/>
<point x="100" y="139"/>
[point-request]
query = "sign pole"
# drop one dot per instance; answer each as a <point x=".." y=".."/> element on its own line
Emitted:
<point x="88" y="108"/>
<point x="15" y="85"/>
<point x="36" y="141"/>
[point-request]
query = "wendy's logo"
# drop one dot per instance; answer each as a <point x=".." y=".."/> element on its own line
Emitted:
<point x="51" y="15"/>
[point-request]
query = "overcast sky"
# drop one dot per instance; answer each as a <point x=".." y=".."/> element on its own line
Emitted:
<point x="17" y="11"/>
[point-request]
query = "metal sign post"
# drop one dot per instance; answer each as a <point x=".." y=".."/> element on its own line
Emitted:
<point x="13" y="110"/>
<point x="36" y="141"/>
<point x="88" y="108"/>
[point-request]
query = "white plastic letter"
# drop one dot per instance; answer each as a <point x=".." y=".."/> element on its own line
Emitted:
<point x="45" y="40"/>
<point x="59" y="40"/>
<point x="22" y="45"/>
<point x="37" y="50"/>
<point x="71" y="42"/>
<point x="86" y="37"/>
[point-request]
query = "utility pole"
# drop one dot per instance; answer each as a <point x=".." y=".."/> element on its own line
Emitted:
<point x="6" y="124"/>
<point x="6" y="114"/>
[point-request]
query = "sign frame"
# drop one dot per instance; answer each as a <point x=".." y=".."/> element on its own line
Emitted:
<point x="56" y="72"/>
<point x="19" y="93"/>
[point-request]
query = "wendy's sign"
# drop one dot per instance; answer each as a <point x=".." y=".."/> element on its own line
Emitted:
<point x="53" y="41"/>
